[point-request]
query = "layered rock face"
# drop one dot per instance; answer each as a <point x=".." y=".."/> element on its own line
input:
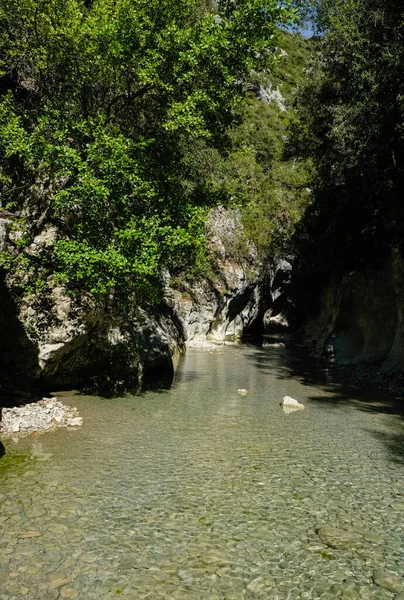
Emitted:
<point x="279" y="317"/>
<point x="360" y="317"/>
<point x="84" y="343"/>
<point x="55" y="341"/>
<point x="222" y="307"/>
<point x="243" y="297"/>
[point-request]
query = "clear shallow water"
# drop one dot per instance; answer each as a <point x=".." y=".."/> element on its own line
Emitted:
<point x="199" y="492"/>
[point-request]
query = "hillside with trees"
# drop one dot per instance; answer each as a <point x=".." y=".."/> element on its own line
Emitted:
<point x="111" y="116"/>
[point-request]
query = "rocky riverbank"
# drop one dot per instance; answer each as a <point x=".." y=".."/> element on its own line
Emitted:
<point x="57" y="341"/>
<point x="36" y="417"/>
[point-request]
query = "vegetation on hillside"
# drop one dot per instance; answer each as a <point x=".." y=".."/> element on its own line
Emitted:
<point x="112" y="116"/>
<point x="351" y="125"/>
<point x="270" y="184"/>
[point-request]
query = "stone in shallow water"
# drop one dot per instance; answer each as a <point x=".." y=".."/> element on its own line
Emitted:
<point x="57" y="579"/>
<point x="185" y="577"/>
<point x="338" y="538"/>
<point x="288" y="410"/>
<point x="23" y="591"/>
<point x="258" y="586"/>
<point x="215" y="557"/>
<point x="3" y="577"/>
<point x="70" y="593"/>
<point x="75" y="422"/>
<point x="389" y="581"/>
<point x="35" y="512"/>
<point x="289" y="401"/>
<point x="58" y="528"/>
<point x="53" y="556"/>
<point x="227" y="583"/>
<point x="127" y="564"/>
<point x="30" y="534"/>
<point x="89" y="557"/>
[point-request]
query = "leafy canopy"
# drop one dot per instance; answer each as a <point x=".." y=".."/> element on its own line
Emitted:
<point x="102" y="103"/>
<point x="351" y="125"/>
<point x="268" y="184"/>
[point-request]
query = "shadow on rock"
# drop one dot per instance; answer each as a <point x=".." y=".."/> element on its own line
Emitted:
<point x="18" y="355"/>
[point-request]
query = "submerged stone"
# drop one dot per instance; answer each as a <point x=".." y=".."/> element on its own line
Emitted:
<point x="338" y="538"/>
<point x="58" y="579"/>
<point x="389" y="581"/>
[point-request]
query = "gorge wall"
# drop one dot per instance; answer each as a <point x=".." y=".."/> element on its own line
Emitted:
<point x="57" y="341"/>
<point x="61" y="342"/>
<point x="358" y="318"/>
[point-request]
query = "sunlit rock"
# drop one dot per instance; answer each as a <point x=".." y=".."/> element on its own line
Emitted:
<point x="35" y="417"/>
<point x="291" y="403"/>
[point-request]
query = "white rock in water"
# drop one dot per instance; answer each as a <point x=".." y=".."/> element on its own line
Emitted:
<point x="288" y="410"/>
<point x="288" y="401"/>
<point x="75" y="422"/>
<point x="242" y="392"/>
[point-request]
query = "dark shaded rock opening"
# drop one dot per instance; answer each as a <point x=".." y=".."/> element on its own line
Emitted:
<point x="18" y="354"/>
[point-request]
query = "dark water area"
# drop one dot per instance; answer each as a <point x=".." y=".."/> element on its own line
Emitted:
<point x="196" y="489"/>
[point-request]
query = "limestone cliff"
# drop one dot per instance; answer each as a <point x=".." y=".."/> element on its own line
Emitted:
<point x="359" y="317"/>
<point x="54" y="340"/>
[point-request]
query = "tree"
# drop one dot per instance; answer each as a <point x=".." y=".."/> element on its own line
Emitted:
<point x="101" y="104"/>
<point x="264" y="180"/>
<point x="351" y="124"/>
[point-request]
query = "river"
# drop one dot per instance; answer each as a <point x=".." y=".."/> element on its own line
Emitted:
<point x="195" y="491"/>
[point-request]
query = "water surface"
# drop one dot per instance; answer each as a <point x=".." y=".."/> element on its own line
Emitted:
<point x="199" y="492"/>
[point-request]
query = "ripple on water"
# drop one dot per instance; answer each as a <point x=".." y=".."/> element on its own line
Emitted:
<point x="202" y="492"/>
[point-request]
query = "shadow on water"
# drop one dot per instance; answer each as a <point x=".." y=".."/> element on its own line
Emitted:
<point x="293" y="362"/>
<point x="2" y="449"/>
<point x="156" y="382"/>
<point x="162" y="382"/>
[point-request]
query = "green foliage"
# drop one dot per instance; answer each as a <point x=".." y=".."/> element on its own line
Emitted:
<point x="260" y="175"/>
<point x="102" y="104"/>
<point x="351" y="124"/>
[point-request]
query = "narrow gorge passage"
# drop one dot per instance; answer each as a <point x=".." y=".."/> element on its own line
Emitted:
<point x="197" y="491"/>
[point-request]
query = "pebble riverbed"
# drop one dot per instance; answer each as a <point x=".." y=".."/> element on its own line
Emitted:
<point x="199" y="492"/>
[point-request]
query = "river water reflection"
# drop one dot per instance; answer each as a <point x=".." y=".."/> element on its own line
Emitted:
<point x="197" y="491"/>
